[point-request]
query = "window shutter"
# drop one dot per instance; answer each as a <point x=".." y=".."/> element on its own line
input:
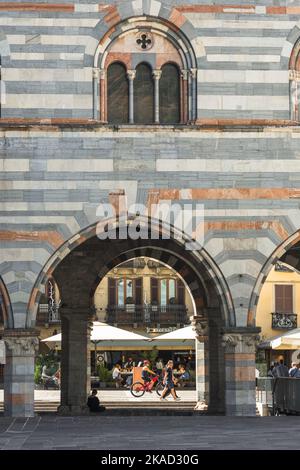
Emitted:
<point x="180" y="292"/>
<point x="154" y="290"/>
<point x="139" y="291"/>
<point x="284" y="298"/>
<point x="112" y="291"/>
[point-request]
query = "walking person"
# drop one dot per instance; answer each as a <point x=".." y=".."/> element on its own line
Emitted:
<point x="169" y="382"/>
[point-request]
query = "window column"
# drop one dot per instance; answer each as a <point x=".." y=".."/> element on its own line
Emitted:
<point x="294" y="94"/>
<point x="194" y="73"/>
<point x="156" y="76"/>
<point x="95" y="92"/>
<point x="103" y="113"/>
<point x="184" y="95"/>
<point x="131" y="76"/>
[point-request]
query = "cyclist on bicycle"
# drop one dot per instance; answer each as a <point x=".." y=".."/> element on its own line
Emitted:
<point x="146" y="372"/>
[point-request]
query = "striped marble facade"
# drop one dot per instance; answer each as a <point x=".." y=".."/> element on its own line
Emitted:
<point x="239" y="156"/>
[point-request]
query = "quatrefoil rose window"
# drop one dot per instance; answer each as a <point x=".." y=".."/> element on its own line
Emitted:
<point x="144" y="40"/>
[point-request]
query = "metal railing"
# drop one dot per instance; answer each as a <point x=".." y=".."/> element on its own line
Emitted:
<point x="280" y="394"/>
<point x="146" y="314"/>
<point x="286" y="321"/>
<point x="47" y="315"/>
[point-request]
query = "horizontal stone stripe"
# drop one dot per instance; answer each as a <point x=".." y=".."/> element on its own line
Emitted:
<point x="46" y="49"/>
<point x="245" y="52"/>
<point x="54" y="39"/>
<point x="46" y="75"/>
<point x="246" y="89"/>
<point x="55" y="64"/>
<point x="243" y="41"/>
<point x="50" y="101"/>
<point x="51" y="237"/>
<point x="48" y="56"/>
<point x="27" y="6"/>
<point x="243" y="76"/>
<point x="49" y="87"/>
<point x="40" y="206"/>
<point x="83" y="195"/>
<point x="60" y="221"/>
<point x="49" y="22"/>
<point x="223" y="193"/>
<point x="245" y="9"/>
<point x="232" y="166"/>
<point x="71" y="165"/>
<point x="235" y="32"/>
<point x="28" y="132"/>
<point x="240" y="102"/>
<point x="258" y="58"/>
<point x="219" y="115"/>
<point x="48" y="113"/>
<point x="26" y="254"/>
<point x="198" y="21"/>
<point x="221" y="65"/>
<point x="14" y="164"/>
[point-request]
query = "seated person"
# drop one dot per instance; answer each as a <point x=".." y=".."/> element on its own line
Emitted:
<point x="184" y="374"/>
<point x="129" y="380"/>
<point x="93" y="402"/>
<point x="116" y="375"/>
<point x="146" y="372"/>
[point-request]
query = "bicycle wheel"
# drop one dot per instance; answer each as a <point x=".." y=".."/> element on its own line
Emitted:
<point x="137" y="389"/>
<point x="159" y="388"/>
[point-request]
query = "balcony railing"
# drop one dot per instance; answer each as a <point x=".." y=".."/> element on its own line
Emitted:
<point x="286" y="321"/>
<point x="147" y="314"/>
<point x="47" y="315"/>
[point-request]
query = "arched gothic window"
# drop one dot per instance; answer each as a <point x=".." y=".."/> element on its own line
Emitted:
<point x="169" y="95"/>
<point x="117" y="94"/>
<point x="143" y="76"/>
<point x="143" y="95"/>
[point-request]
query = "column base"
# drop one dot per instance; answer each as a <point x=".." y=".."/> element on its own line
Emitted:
<point x="73" y="410"/>
<point x="201" y="406"/>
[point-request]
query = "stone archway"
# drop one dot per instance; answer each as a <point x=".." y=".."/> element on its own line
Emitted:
<point x="226" y="354"/>
<point x="287" y="253"/>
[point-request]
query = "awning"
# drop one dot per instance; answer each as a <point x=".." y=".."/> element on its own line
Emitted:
<point x="289" y="340"/>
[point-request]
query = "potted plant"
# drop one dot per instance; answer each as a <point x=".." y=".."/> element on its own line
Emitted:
<point x="104" y="375"/>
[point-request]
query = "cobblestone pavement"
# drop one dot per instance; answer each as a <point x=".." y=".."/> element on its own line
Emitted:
<point x="158" y="433"/>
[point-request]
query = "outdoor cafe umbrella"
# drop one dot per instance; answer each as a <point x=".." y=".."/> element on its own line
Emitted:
<point x="180" y="335"/>
<point x="104" y="332"/>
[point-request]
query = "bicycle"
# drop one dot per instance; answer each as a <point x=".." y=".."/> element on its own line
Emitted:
<point x="138" y="389"/>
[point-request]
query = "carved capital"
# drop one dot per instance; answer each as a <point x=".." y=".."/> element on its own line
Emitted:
<point x="185" y="74"/>
<point x="131" y="74"/>
<point x="96" y="73"/>
<point x="294" y="75"/>
<point x="156" y="74"/>
<point x="241" y="343"/>
<point x="194" y="73"/>
<point x="17" y="345"/>
<point x="102" y="74"/>
<point x="200" y="326"/>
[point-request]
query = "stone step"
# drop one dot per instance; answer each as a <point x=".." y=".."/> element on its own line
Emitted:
<point x="127" y="407"/>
